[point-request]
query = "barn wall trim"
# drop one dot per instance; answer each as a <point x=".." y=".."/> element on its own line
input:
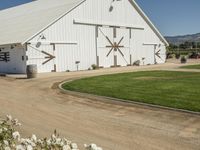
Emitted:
<point x="115" y="25"/>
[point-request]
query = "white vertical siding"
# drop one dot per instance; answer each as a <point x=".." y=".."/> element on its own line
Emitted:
<point x="85" y="50"/>
<point x="15" y="63"/>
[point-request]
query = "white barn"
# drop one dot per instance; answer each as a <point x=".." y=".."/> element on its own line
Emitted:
<point x="70" y="35"/>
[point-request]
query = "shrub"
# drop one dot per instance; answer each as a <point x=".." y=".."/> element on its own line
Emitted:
<point x="183" y="59"/>
<point x="136" y="63"/>
<point x="171" y="56"/>
<point x="178" y="56"/>
<point x="94" y="67"/>
<point x="11" y="139"/>
<point x="193" y="55"/>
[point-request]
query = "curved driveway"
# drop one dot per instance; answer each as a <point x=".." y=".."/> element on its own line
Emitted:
<point x="41" y="107"/>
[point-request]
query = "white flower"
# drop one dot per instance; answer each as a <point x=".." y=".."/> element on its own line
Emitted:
<point x="29" y="147"/>
<point x="29" y="142"/>
<point x="67" y="141"/>
<point x="34" y="138"/>
<point x="5" y="129"/>
<point x="53" y="136"/>
<point x="23" y="141"/>
<point x="92" y="147"/>
<point x="49" y="142"/>
<point x="99" y="148"/>
<point x="18" y="124"/>
<point x="15" y="121"/>
<point x="7" y="148"/>
<point x="58" y="141"/>
<point x="74" y="146"/>
<point x="9" y="117"/>
<point x="20" y="147"/>
<point x="16" y="135"/>
<point x="5" y="142"/>
<point x="66" y="147"/>
<point x="40" y="141"/>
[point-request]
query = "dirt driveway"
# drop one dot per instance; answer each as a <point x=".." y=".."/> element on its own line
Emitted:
<point x="42" y="109"/>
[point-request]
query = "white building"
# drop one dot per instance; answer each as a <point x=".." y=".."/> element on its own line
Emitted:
<point x="70" y="35"/>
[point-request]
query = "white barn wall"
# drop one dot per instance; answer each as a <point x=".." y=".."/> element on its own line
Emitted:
<point x="85" y="49"/>
<point x="15" y="63"/>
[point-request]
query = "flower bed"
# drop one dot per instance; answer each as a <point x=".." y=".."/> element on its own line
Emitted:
<point x="10" y="139"/>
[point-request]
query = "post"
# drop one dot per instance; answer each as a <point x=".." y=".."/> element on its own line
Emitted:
<point x="115" y="60"/>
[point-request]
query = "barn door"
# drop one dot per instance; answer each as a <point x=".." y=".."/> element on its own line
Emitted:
<point x="148" y="56"/>
<point x="43" y="56"/>
<point x="113" y="47"/>
<point x="160" y="54"/>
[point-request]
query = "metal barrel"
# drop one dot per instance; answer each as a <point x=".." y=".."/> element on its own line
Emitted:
<point x="31" y="71"/>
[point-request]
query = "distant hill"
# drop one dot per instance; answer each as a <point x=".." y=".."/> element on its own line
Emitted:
<point x="181" y="39"/>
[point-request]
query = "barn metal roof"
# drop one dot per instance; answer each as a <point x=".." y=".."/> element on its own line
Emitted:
<point x="19" y="23"/>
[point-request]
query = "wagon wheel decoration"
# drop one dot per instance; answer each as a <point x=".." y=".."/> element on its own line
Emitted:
<point x="115" y="46"/>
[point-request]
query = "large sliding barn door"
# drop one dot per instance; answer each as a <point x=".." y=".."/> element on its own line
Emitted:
<point x="113" y="47"/>
<point x="43" y="56"/>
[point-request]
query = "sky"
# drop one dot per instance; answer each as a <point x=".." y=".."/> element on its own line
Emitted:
<point x="171" y="17"/>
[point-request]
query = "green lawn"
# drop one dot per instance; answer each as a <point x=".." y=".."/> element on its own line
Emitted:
<point x="192" y="67"/>
<point x="166" y="88"/>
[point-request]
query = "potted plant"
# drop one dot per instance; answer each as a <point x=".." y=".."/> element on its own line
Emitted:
<point x="183" y="59"/>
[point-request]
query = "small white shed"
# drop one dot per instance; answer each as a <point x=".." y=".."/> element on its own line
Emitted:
<point x="70" y="35"/>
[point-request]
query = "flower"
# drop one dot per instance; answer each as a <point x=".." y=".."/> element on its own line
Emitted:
<point x="66" y="147"/>
<point x="58" y="141"/>
<point x="92" y="147"/>
<point x="16" y="135"/>
<point x="49" y="142"/>
<point x="40" y="141"/>
<point x="20" y="147"/>
<point x="74" y="146"/>
<point x="34" y="138"/>
<point x="18" y="124"/>
<point x="7" y="148"/>
<point x="5" y="142"/>
<point x="9" y="117"/>
<point x="53" y="136"/>
<point x="5" y="129"/>
<point x="29" y="147"/>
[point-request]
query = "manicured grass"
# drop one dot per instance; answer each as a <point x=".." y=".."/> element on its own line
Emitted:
<point x="165" y="88"/>
<point x="192" y="67"/>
